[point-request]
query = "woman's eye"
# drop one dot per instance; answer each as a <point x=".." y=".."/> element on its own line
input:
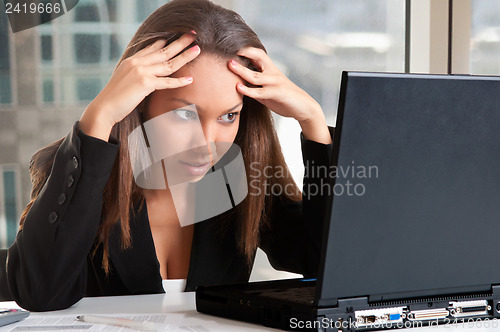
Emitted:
<point x="186" y="115"/>
<point x="229" y="117"/>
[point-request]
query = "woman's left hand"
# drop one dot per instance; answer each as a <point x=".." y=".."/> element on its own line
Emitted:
<point x="274" y="90"/>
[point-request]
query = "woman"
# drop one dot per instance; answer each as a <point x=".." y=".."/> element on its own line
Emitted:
<point x="91" y="230"/>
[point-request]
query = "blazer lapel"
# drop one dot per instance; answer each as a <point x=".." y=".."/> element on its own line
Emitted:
<point x="137" y="266"/>
<point x="215" y="258"/>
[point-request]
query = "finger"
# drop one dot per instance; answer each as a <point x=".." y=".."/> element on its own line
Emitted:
<point x="162" y="83"/>
<point x="251" y="76"/>
<point x="169" y="51"/>
<point x="258" y="56"/>
<point x="255" y="93"/>
<point x="169" y="67"/>
<point x="153" y="47"/>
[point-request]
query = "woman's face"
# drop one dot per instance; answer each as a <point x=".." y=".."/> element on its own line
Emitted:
<point x="197" y="123"/>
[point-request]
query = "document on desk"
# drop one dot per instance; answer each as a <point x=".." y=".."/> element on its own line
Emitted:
<point x="60" y="323"/>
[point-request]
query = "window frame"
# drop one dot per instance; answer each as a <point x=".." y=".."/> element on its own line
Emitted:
<point x="438" y="40"/>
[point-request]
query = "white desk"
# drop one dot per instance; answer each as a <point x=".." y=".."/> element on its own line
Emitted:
<point x="179" y="303"/>
<point x="184" y="304"/>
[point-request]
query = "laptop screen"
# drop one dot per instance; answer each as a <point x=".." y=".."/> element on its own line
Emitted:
<point x="416" y="206"/>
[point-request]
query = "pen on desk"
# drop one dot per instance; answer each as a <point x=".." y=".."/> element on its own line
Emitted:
<point x="124" y="322"/>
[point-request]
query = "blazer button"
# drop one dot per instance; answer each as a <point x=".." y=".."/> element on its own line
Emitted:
<point x="61" y="199"/>
<point x="75" y="162"/>
<point x="70" y="181"/>
<point x="52" y="217"/>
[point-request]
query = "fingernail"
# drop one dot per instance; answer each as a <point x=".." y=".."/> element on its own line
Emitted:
<point x="234" y="63"/>
<point x="193" y="32"/>
<point x="195" y="48"/>
<point x="188" y="79"/>
<point x="241" y="85"/>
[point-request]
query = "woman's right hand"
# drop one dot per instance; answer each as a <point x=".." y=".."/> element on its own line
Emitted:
<point x="135" y="78"/>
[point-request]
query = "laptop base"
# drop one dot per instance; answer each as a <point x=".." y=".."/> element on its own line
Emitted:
<point x="277" y="304"/>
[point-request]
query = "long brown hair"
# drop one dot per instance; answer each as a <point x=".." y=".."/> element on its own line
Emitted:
<point x="220" y="32"/>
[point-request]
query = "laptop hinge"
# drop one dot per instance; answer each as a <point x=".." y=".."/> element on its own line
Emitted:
<point x="495" y="290"/>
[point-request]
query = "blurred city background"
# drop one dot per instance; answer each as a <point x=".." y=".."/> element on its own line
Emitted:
<point x="50" y="73"/>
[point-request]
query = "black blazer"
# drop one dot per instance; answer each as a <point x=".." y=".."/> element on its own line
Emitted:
<point x="50" y="266"/>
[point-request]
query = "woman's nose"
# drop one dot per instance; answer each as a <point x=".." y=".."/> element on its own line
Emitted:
<point x="208" y="132"/>
<point x="210" y="137"/>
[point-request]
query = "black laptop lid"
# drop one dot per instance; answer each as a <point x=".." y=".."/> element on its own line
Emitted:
<point x="424" y="220"/>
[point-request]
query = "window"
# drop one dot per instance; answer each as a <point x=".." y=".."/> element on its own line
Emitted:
<point x="314" y="41"/>
<point x="9" y="204"/>
<point x="88" y="88"/>
<point x="144" y="8"/>
<point x="81" y="49"/>
<point x="87" y="12"/>
<point x="46" y="45"/>
<point x="88" y="48"/>
<point x="485" y="37"/>
<point x="48" y="90"/>
<point x="112" y="10"/>
<point x="114" y="47"/>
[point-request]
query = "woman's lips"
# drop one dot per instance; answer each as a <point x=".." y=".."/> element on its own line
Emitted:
<point x="196" y="168"/>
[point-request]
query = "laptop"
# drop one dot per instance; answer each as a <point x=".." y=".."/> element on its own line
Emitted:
<point x="417" y="243"/>
<point x="9" y="316"/>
